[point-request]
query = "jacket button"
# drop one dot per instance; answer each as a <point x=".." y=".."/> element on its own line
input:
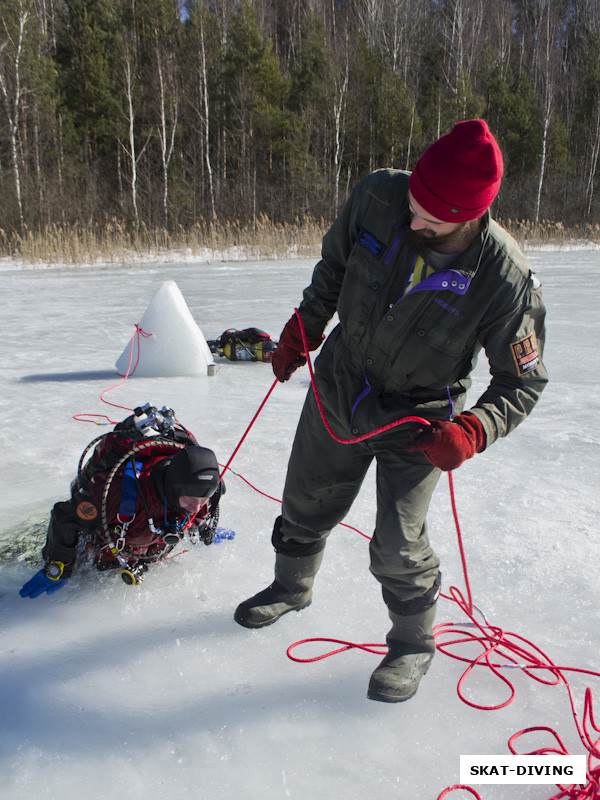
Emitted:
<point x="390" y="317"/>
<point x="375" y="286"/>
<point x="355" y="431"/>
<point x="369" y="362"/>
<point x="421" y="332"/>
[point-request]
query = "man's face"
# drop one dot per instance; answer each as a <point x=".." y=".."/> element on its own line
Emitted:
<point x="429" y="231"/>
<point x="192" y="504"/>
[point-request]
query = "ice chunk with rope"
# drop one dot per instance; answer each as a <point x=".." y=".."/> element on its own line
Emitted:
<point x="176" y="346"/>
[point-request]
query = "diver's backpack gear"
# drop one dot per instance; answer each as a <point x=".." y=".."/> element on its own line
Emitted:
<point x="145" y="423"/>
<point x="127" y="459"/>
<point x="250" y="344"/>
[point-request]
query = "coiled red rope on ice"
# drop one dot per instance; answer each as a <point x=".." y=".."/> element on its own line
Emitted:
<point x="500" y="650"/>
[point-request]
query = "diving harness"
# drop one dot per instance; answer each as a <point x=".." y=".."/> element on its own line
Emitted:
<point x="169" y="433"/>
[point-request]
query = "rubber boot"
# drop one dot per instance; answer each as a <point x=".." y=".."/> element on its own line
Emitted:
<point x="411" y="648"/>
<point x="290" y="591"/>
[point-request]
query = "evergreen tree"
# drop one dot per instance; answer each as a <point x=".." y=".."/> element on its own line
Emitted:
<point x="27" y="100"/>
<point x="254" y="94"/>
<point x="587" y="120"/>
<point x="237" y="108"/>
<point x="307" y="106"/>
<point x="88" y="47"/>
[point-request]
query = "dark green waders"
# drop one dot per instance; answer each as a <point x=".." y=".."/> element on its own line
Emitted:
<point x="290" y="591"/>
<point x="323" y="480"/>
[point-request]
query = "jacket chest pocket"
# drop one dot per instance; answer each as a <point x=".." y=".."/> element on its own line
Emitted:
<point x="438" y="350"/>
<point x="361" y="291"/>
<point x="444" y="334"/>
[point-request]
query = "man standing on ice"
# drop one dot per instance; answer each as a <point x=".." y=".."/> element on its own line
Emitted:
<point x="421" y="278"/>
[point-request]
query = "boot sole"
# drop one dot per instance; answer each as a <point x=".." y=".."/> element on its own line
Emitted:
<point x="390" y="698"/>
<point x="263" y="624"/>
<point x="386" y="698"/>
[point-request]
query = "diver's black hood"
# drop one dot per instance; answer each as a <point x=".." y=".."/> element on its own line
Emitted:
<point x="192" y="472"/>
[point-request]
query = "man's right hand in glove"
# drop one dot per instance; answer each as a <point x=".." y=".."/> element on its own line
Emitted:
<point x="448" y="444"/>
<point x="49" y="579"/>
<point x="290" y="354"/>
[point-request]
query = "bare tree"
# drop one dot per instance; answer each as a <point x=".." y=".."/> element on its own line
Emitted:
<point x="591" y="177"/>
<point x="339" y="106"/>
<point x="168" y="105"/>
<point x="11" y="84"/>
<point x="129" y="147"/>
<point x="204" y="92"/>
<point x="546" y="69"/>
<point x="462" y="26"/>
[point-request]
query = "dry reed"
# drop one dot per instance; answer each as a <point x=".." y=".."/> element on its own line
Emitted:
<point x="112" y="242"/>
<point x="546" y="232"/>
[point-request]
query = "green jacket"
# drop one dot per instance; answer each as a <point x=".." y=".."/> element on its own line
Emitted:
<point x="393" y="355"/>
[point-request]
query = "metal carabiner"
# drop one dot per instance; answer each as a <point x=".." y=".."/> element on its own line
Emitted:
<point x="120" y="542"/>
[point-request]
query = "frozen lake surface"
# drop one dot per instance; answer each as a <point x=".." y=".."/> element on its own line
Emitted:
<point x="154" y="691"/>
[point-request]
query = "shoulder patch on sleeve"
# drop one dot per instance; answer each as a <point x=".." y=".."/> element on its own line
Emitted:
<point x="373" y="245"/>
<point x="525" y="354"/>
<point x="86" y="511"/>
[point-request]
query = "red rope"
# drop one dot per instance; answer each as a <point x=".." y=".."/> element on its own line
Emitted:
<point x="135" y="339"/>
<point x="247" y="431"/>
<point x="377" y="649"/>
<point x="509" y="650"/>
<point x="460" y="542"/>
<point x="464" y="788"/>
<point x="362" y="438"/>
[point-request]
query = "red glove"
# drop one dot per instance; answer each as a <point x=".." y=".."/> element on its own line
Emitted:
<point x="289" y="354"/>
<point x="448" y="444"/>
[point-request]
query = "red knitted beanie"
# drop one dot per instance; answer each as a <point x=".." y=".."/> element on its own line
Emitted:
<point x="457" y="178"/>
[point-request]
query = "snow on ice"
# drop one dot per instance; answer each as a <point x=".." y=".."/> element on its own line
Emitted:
<point x="154" y="691"/>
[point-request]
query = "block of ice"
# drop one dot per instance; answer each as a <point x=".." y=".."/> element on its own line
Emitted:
<point x="176" y="346"/>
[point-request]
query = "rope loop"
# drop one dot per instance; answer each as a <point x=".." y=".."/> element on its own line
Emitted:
<point x="500" y="650"/>
<point x="377" y="649"/>
<point x="135" y="339"/>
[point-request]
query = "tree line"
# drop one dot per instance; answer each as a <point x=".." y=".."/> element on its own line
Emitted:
<point x="158" y="113"/>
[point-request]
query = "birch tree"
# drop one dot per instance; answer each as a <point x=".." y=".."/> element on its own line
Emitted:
<point x="159" y="33"/>
<point x="200" y="26"/>
<point x="546" y="70"/>
<point x="14" y="21"/>
<point x="339" y="100"/>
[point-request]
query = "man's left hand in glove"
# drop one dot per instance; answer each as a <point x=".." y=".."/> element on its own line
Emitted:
<point x="448" y="444"/>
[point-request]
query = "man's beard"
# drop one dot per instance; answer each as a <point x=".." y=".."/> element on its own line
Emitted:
<point x="460" y="237"/>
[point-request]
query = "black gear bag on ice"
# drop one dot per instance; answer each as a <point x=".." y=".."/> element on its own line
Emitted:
<point x="250" y="344"/>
